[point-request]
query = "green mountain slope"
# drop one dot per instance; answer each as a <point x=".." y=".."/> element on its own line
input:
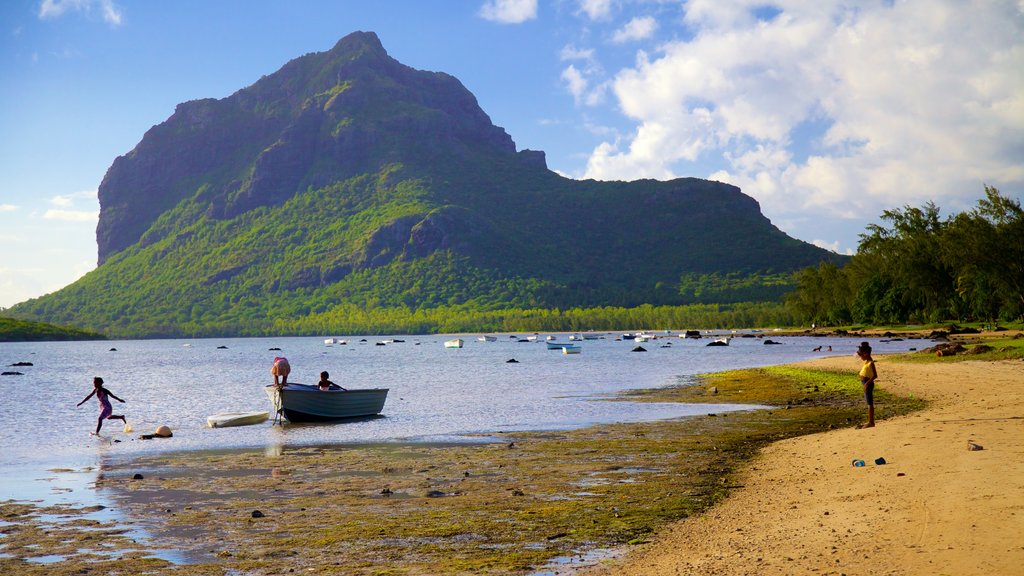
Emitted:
<point x="348" y="180"/>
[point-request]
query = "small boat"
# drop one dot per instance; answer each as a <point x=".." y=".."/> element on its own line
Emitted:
<point x="329" y="342"/>
<point x="532" y="338"/>
<point x="487" y="339"/>
<point x="719" y="342"/>
<point x="590" y="337"/>
<point x="552" y="345"/>
<point x="575" y="337"/>
<point x="549" y="338"/>
<point x="304" y="403"/>
<point x="456" y="343"/>
<point x="571" y="349"/>
<point x="226" y="419"/>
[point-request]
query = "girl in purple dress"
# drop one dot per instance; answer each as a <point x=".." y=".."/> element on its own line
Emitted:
<point x="104" y="396"/>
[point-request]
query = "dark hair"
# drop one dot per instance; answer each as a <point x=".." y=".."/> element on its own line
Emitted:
<point x="97" y="380"/>
<point x="865" y="348"/>
<point x="324" y="375"/>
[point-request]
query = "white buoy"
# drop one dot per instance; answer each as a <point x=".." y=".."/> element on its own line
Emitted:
<point x="163" y="432"/>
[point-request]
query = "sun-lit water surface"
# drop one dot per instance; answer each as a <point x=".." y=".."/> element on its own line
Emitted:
<point x="436" y="393"/>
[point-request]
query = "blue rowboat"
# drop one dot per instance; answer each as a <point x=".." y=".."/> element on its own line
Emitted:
<point x="304" y="403"/>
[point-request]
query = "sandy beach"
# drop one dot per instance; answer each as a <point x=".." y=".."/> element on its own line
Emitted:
<point x="935" y="507"/>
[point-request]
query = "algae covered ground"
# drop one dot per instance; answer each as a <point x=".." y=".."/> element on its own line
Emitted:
<point x="509" y="504"/>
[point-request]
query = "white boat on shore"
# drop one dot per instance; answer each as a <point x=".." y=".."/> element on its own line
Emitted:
<point x="456" y="343"/>
<point x="226" y="419"/>
<point x="304" y="403"/>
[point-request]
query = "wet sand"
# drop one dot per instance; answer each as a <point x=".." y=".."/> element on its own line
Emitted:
<point x="935" y="507"/>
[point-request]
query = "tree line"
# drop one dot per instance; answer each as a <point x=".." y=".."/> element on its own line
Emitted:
<point x="917" y="267"/>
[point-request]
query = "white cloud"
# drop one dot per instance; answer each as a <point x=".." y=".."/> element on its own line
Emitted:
<point x="636" y="29"/>
<point x="65" y="200"/>
<point x="509" y="11"/>
<point x="570" y="52"/>
<point x="8" y="207"/>
<point x="69" y="209"/>
<point x="109" y="11"/>
<point x="908" y="102"/>
<point x="596" y="9"/>
<point x="833" y="246"/>
<point x="72" y="215"/>
<point x="575" y="82"/>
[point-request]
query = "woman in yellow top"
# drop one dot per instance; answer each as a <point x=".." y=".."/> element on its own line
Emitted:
<point x="868" y="374"/>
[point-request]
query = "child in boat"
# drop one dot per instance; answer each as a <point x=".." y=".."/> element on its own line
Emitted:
<point x="281" y="369"/>
<point x="106" y="410"/>
<point x="326" y="384"/>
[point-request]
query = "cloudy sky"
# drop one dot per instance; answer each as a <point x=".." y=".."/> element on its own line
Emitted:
<point x="826" y="112"/>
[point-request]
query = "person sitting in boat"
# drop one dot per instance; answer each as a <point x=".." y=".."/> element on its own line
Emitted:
<point x="281" y="369"/>
<point x="326" y="384"/>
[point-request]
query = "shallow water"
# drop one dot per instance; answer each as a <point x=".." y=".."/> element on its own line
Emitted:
<point x="436" y="394"/>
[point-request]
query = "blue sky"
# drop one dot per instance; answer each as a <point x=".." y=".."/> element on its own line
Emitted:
<point x="826" y="112"/>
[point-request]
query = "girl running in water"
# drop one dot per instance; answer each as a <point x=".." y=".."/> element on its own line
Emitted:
<point x="106" y="410"/>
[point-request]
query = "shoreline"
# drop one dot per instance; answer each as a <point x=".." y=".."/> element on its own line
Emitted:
<point x="935" y="507"/>
<point x="167" y="502"/>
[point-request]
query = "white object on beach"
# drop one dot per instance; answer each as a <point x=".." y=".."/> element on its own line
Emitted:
<point x="128" y="428"/>
<point x="225" y="419"/>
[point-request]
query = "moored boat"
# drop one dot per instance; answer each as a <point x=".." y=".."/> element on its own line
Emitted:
<point x="304" y="403"/>
<point x="571" y="349"/>
<point x="226" y="419"/>
<point x="724" y="341"/>
<point x="486" y="338"/>
<point x="455" y="343"/>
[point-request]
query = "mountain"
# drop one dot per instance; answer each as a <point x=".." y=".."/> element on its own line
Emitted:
<point x="347" y="179"/>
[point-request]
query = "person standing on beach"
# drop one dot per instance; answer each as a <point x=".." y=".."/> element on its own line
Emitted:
<point x="106" y="410"/>
<point x="868" y="374"/>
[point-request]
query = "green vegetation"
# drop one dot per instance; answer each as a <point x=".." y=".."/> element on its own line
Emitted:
<point x="385" y="253"/>
<point x="923" y="269"/>
<point x="348" y="193"/>
<point x="13" y="330"/>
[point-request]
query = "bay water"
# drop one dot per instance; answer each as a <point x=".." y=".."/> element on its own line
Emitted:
<point x="436" y="394"/>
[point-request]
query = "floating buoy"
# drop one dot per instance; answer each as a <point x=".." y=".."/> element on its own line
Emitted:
<point x="163" y="432"/>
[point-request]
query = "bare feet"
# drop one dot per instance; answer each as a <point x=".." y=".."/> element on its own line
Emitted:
<point x="862" y="426"/>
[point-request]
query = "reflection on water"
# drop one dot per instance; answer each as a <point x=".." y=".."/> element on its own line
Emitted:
<point x="435" y="393"/>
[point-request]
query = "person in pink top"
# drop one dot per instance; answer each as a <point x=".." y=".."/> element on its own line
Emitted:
<point x="106" y="410"/>
<point x="281" y="369"/>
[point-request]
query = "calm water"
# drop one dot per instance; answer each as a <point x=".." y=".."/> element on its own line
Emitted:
<point x="436" y="393"/>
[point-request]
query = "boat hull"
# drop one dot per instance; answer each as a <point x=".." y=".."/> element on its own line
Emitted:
<point x="302" y="403"/>
<point x="228" y="419"/>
